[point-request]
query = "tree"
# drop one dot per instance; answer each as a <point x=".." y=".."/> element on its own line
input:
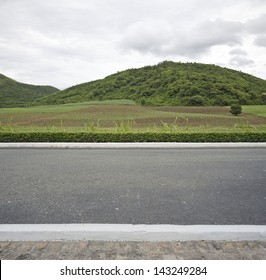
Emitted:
<point x="235" y="109"/>
<point x="143" y="101"/>
<point x="263" y="96"/>
<point x="196" y="100"/>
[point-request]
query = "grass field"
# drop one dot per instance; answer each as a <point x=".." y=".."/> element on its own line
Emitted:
<point x="125" y="115"/>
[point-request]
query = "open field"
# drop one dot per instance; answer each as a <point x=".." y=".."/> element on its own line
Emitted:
<point x="125" y="115"/>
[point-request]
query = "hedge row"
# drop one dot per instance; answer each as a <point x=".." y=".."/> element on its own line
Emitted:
<point x="133" y="137"/>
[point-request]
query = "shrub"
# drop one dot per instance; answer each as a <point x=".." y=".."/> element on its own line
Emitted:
<point x="133" y="137"/>
<point x="196" y="100"/>
<point x="235" y="109"/>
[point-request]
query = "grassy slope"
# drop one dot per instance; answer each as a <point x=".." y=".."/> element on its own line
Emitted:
<point x="259" y="110"/>
<point x="169" y="83"/>
<point x="14" y="94"/>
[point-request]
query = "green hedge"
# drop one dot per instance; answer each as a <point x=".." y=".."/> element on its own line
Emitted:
<point x="133" y="137"/>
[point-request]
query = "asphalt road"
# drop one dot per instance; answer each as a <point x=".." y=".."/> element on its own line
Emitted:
<point x="133" y="186"/>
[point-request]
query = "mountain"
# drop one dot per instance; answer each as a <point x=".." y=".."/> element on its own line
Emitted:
<point x="15" y="94"/>
<point x="169" y="83"/>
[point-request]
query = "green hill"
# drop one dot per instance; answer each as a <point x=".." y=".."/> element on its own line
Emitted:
<point x="169" y="83"/>
<point x="15" y="94"/>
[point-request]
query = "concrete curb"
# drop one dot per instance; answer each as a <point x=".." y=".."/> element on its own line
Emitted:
<point x="129" y="145"/>
<point x="128" y="232"/>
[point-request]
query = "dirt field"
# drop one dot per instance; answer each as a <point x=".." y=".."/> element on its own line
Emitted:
<point x="106" y="116"/>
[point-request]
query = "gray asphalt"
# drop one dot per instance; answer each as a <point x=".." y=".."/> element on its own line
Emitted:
<point x="133" y="186"/>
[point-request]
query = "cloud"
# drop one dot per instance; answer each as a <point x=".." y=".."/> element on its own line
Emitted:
<point x="238" y="52"/>
<point x="65" y="42"/>
<point x="257" y="26"/>
<point x="213" y="33"/>
<point x="148" y="35"/>
<point x="240" y="61"/>
<point x="260" y="41"/>
<point x="160" y="37"/>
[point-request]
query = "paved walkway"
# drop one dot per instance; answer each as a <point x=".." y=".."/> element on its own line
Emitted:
<point x="106" y="250"/>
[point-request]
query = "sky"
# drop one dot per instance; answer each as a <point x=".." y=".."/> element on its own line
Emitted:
<point x="67" y="42"/>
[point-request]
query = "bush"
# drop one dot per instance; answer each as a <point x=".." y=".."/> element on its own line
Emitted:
<point x="235" y="109"/>
<point x="133" y="137"/>
<point x="196" y="100"/>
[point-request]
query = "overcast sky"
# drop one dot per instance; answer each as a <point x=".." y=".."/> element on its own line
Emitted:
<point x="67" y="42"/>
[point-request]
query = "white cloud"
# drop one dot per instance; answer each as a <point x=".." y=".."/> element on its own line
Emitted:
<point x="238" y="52"/>
<point x="65" y="42"/>
<point x="240" y="61"/>
<point x="208" y="34"/>
<point x="261" y="41"/>
<point x="148" y="35"/>
<point x="159" y="37"/>
<point x="258" y="25"/>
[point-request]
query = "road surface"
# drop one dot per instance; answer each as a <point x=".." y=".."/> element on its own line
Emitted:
<point x="133" y="186"/>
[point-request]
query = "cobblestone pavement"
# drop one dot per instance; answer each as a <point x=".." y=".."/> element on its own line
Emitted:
<point x="103" y="250"/>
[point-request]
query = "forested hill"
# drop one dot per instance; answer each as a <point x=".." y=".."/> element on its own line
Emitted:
<point x="15" y="94"/>
<point x="169" y="83"/>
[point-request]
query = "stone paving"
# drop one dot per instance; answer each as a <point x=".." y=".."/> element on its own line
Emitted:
<point x="106" y="250"/>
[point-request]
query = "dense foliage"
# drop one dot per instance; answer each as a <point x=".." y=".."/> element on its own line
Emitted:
<point x="235" y="109"/>
<point x="133" y="137"/>
<point x="15" y="94"/>
<point x="169" y="83"/>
